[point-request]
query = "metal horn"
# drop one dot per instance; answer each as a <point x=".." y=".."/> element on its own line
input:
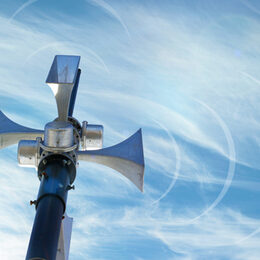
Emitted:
<point x="12" y="133"/>
<point x="61" y="79"/>
<point x="126" y="157"/>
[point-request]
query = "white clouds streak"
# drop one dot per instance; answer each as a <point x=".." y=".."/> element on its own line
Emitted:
<point x="23" y="6"/>
<point x="111" y="11"/>
<point x="155" y="76"/>
<point x="221" y="230"/>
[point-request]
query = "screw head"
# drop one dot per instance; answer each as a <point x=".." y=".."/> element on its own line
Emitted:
<point x="45" y="175"/>
<point x="44" y="161"/>
<point x="69" y="187"/>
<point x="33" y="202"/>
<point x="69" y="162"/>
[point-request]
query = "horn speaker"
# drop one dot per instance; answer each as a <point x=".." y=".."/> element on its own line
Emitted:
<point x="11" y="132"/>
<point x="126" y="157"/>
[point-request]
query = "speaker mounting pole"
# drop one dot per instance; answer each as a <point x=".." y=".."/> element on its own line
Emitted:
<point x="55" y="151"/>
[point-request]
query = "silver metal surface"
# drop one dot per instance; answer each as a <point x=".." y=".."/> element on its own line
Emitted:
<point x="126" y="157"/>
<point x="92" y="136"/>
<point x="58" y="134"/>
<point x="28" y="153"/>
<point x="51" y="149"/>
<point x="11" y="132"/>
<point x="61" y="79"/>
<point x="64" y="239"/>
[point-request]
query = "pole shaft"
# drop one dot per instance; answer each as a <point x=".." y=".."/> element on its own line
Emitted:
<point x="50" y="207"/>
<point x="46" y="229"/>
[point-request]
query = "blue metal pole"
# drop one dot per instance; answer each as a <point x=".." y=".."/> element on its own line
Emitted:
<point x="56" y="173"/>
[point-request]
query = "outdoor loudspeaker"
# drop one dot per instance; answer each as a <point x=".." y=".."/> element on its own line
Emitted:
<point x="126" y="157"/>
<point x="11" y="132"/>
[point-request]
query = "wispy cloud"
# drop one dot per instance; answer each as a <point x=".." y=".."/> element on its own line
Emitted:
<point x="111" y="11"/>
<point x="152" y="79"/>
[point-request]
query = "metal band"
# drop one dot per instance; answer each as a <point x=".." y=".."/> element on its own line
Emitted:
<point x="58" y="149"/>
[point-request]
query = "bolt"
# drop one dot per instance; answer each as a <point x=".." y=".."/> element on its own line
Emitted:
<point x="33" y="202"/>
<point x="69" y="162"/>
<point x="69" y="187"/>
<point x="44" y="161"/>
<point x="45" y="175"/>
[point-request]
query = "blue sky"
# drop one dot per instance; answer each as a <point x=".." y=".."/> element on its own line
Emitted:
<point x="187" y="73"/>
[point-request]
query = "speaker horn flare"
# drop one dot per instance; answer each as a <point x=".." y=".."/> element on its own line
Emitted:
<point x="11" y="132"/>
<point x="126" y="157"/>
